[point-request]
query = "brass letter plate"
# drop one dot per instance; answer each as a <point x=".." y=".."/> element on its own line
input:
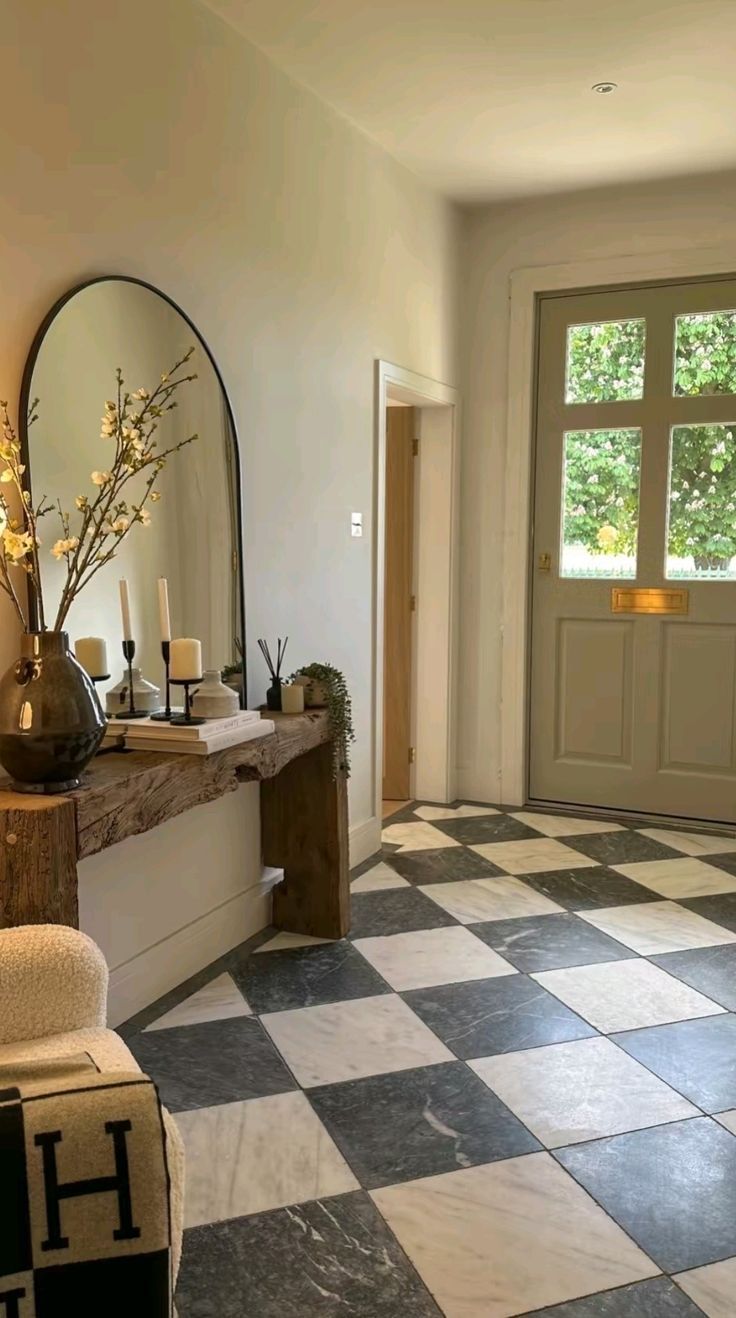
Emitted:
<point x="635" y="599"/>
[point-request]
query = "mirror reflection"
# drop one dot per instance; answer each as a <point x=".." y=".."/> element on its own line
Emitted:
<point x="190" y="534"/>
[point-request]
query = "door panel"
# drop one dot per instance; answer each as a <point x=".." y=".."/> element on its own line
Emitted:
<point x="636" y="488"/>
<point x="400" y="429"/>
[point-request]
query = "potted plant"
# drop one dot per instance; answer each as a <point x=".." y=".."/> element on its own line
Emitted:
<point x="51" y="721"/>
<point x="325" y="685"/>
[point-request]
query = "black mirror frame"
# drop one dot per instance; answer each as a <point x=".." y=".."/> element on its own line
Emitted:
<point x="25" y="396"/>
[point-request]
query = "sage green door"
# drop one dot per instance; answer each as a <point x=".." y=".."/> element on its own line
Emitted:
<point x="633" y="663"/>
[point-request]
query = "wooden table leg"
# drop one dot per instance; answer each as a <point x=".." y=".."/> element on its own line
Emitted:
<point x="304" y="825"/>
<point x="38" y="861"/>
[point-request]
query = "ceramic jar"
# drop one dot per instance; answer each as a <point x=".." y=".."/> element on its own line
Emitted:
<point x="315" y="696"/>
<point x="146" y="696"/>
<point x="51" y="721"/>
<point x="213" y="699"/>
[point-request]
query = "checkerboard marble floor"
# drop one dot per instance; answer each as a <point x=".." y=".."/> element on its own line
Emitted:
<point x="511" y="1090"/>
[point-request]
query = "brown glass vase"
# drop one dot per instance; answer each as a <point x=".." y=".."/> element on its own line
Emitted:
<point x="51" y="721"/>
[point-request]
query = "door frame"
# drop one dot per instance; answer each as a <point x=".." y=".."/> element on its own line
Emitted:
<point x="436" y="573"/>
<point x="526" y="284"/>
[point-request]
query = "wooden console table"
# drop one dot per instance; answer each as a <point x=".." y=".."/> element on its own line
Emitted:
<point x="303" y="823"/>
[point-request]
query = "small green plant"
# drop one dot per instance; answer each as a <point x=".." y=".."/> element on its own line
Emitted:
<point x="339" y="711"/>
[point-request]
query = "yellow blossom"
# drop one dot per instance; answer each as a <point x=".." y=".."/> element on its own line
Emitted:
<point x="155" y="496"/>
<point x="144" y="517"/>
<point x="6" y="476"/>
<point x="17" y="544"/>
<point x="64" y="547"/>
<point x="140" y="393"/>
<point x="81" y="502"/>
<point x="120" y="525"/>
<point x="101" y="477"/>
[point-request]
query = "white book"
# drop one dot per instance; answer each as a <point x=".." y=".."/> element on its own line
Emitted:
<point x="203" y="745"/>
<point x="161" y="731"/>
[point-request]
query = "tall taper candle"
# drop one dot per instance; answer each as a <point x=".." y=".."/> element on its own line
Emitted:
<point x="125" y="610"/>
<point x="163" y="609"/>
<point x="186" y="660"/>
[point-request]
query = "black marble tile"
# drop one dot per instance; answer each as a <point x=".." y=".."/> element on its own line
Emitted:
<point x="549" y="942"/>
<point x="443" y="866"/>
<point x="500" y="1015"/>
<point x="210" y="1063"/>
<point x="697" y="1057"/>
<point x="588" y="889"/>
<point x="416" y="1123"/>
<point x="331" y="1257"/>
<point x="395" y="911"/>
<point x="658" y="1298"/>
<point x="366" y="865"/>
<point x="711" y="970"/>
<point x="725" y="862"/>
<point x="672" y="1188"/>
<point x="306" y="976"/>
<point x="474" y="829"/>
<point x="721" y="909"/>
<point x="622" y="848"/>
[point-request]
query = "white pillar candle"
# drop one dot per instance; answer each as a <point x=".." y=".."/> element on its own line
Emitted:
<point x="163" y="609"/>
<point x="186" y="659"/>
<point x="292" y="698"/>
<point x="91" y="653"/>
<point x="125" y="610"/>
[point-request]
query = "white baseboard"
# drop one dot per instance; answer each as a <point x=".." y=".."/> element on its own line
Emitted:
<point x="365" y="840"/>
<point x="147" y="976"/>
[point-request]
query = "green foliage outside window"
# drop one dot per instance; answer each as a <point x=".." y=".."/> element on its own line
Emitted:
<point x="606" y="363"/>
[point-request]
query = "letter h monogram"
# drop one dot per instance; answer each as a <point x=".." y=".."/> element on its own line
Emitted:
<point x="55" y="1192"/>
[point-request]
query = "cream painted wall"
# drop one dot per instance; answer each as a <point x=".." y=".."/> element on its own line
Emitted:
<point x="153" y="140"/>
<point x="496" y="241"/>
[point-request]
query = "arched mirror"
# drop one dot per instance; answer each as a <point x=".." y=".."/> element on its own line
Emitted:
<point x="191" y="532"/>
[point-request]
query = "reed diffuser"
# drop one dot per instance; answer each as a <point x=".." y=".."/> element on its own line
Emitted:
<point x="273" y="695"/>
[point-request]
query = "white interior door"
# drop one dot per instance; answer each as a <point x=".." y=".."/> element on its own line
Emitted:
<point x="633" y="666"/>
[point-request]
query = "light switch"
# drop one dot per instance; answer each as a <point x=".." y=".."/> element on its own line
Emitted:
<point x="356" y="524"/>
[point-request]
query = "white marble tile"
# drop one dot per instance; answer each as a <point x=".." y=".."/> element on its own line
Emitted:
<point x="264" y="1153"/>
<point x="654" y="927"/>
<point x="713" y="1288"/>
<point x="217" y="1001"/>
<point x="378" y="879"/>
<point x="727" y="1119"/>
<point x="533" y="856"/>
<point x="283" y="940"/>
<point x="503" y="898"/>
<point x="343" y="1040"/>
<point x="430" y="812"/>
<point x="626" y="995"/>
<point x="693" y="844"/>
<point x="417" y="837"/>
<point x="505" y="1238"/>
<point x="432" y="956"/>
<point x="568" y="1092"/>
<point x="685" y="877"/>
<point x="563" y="826"/>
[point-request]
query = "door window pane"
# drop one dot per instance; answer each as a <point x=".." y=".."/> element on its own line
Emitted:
<point x="605" y="361"/>
<point x="600" y="503"/>
<point x="705" y="353"/>
<point x="701" y="539"/>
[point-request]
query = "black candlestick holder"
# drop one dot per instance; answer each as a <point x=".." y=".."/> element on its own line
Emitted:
<point x="186" y="718"/>
<point x="131" y="711"/>
<point x="164" y="715"/>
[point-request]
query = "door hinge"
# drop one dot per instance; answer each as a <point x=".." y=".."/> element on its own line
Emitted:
<point x="412" y="754"/>
<point x="413" y="603"/>
<point x="415" y="448"/>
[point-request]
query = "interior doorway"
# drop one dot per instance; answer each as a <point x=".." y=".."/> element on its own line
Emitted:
<point x="633" y="657"/>
<point x="415" y="548"/>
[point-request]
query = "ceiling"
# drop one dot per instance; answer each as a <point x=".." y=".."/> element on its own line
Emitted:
<point x="491" y="99"/>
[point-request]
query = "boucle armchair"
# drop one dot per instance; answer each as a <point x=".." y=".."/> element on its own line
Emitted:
<point x="53" y="1003"/>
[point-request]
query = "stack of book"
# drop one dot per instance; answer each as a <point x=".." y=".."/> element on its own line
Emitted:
<point x="217" y="734"/>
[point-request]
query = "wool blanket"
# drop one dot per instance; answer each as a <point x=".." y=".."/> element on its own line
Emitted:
<point x="84" y="1193"/>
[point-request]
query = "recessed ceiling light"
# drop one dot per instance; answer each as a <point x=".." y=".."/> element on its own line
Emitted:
<point x="604" y="88"/>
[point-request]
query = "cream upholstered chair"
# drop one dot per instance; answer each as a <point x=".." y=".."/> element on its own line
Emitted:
<point x="53" y="1003"/>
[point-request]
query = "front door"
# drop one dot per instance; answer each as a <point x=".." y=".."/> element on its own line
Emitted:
<point x="633" y="668"/>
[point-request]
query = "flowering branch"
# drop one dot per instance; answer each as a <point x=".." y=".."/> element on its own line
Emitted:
<point x="106" y="518"/>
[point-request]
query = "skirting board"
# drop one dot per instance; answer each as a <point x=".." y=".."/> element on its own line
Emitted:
<point x="365" y="840"/>
<point x="138" y="982"/>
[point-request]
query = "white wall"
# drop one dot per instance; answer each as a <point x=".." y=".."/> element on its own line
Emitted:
<point x="683" y="214"/>
<point x="150" y="139"/>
